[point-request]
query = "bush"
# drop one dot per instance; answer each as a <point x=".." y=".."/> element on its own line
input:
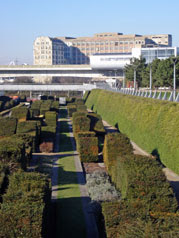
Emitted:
<point x="124" y="220"/>
<point x="84" y="134"/>
<point x="88" y="149"/>
<point x="96" y="123"/>
<point x="99" y="187"/>
<point x="12" y="153"/>
<point x="148" y="122"/>
<point x="45" y="107"/>
<point x="79" y="101"/>
<point x="55" y="106"/>
<point x="26" y="126"/>
<point x="51" y="118"/>
<point x="25" y="206"/>
<point x="80" y="123"/>
<point x="8" y="126"/>
<point x="78" y="114"/>
<point x="4" y="170"/>
<point x="47" y="138"/>
<point x="115" y="145"/>
<point x="71" y="109"/>
<point x="81" y="108"/>
<point x="28" y="142"/>
<point x="21" y="113"/>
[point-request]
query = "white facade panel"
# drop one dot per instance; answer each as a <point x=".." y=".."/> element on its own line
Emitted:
<point x="109" y="61"/>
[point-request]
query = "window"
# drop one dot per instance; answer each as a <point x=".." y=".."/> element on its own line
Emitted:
<point x="116" y="43"/>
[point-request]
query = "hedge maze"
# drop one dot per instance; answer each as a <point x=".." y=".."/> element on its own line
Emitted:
<point x="25" y="196"/>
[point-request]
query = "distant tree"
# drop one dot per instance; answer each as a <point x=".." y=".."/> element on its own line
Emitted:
<point x="139" y="65"/>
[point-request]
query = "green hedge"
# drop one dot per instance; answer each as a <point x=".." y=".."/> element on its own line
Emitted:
<point x="151" y="123"/>
<point x="81" y="108"/>
<point x="51" y="118"/>
<point x="45" y="107"/>
<point x="4" y="170"/>
<point x="8" y="126"/>
<point x="124" y="220"/>
<point x="88" y="149"/>
<point x="25" y="207"/>
<point x="71" y="109"/>
<point x="12" y="153"/>
<point x="84" y="134"/>
<point x="79" y="101"/>
<point x="21" y="113"/>
<point x="55" y="106"/>
<point x="81" y="123"/>
<point x="96" y="123"/>
<point x="26" y="126"/>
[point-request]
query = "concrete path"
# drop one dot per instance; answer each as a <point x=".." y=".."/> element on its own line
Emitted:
<point x="172" y="177"/>
<point x="91" y="227"/>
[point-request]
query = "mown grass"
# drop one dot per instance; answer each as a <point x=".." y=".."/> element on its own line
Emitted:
<point x="152" y="124"/>
<point x="70" y="218"/>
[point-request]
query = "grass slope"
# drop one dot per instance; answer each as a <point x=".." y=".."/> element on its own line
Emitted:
<point x="152" y="124"/>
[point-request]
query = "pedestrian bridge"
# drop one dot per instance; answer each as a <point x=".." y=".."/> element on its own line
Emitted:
<point x="51" y="70"/>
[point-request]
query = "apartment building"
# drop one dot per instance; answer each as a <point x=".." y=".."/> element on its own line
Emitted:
<point x="69" y="50"/>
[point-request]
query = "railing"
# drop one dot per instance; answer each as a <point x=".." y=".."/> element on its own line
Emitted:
<point x="160" y="95"/>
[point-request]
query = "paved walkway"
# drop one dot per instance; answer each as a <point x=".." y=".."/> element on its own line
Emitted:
<point x="91" y="228"/>
<point x="172" y="177"/>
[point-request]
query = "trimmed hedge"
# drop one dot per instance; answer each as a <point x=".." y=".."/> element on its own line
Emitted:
<point x="81" y="108"/>
<point x="12" y="153"/>
<point x="79" y="101"/>
<point x="71" y="109"/>
<point x="88" y="149"/>
<point x="152" y="124"/>
<point x="4" y="170"/>
<point x="81" y="123"/>
<point x="84" y="134"/>
<point x="55" y="106"/>
<point x="51" y="118"/>
<point x="8" y="126"/>
<point x="21" y="113"/>
<point x="78" y="114"/>
<point x="96" y="123"/>
<point x="25" y="207"/>
<point x="124" y="220"/>
<point x="45" y="107"/>
<point x="26" y="126"/>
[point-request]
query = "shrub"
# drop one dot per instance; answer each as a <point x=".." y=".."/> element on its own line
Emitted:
<point x="115" y="144"/>
<point x="8" y="126"/>
<point x="4" y="170"/>
<point x="21" y="113"/>
<point x="71" y="109"/>
<point x="55" y="106"/>
<point x="96" y="123"/>
<point x="46" y="147"/>
<point x="26" y="126"/>
<point x="25" y="206"/>
<point x="84" y="134"/>
<point x="148" y="122"/>
<point x="47" y="138"/>
<point x="81" y="123"/>
<point x="36" y="104"/>
<point x="51" y="118"/>
<point x="88" y="149"/>
<point x="78" y="114"/>
<point x="34" y="112"/>
<point x="79" y="101"/>
<point x="45" y="107"/>
<point x="28" y="142"/>
<point x="99" y="187"/>
<point x="12" y="153"/>
<point x="123" y="220"/>
<point x="81" y="108"/>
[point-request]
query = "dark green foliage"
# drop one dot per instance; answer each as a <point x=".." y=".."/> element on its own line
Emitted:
<point x="12" y="153"/>
<point x="152" y="124"/>
<point x="21" y="113"/>
<point x="79" y="101"/>
<point x="81" y="123"/>
<point x="81" y="107"/>
<point x="71" y="109"/>
<point x="25" y="206"/>
<point x="45" y="107"/>
<point x="88" y="149"/>
<point x="8" y="126"/>
<point x="125" y="220"/>
<point x="78" y="114"/>
<point x="4" y="170"/>
<point x="26" y="126"/>
<point x="84" y="134"/>
<point x="51" y="118"/>
<point x="55" y="106"/>
<point x="115" y="145"/>
<point x="96" y="123"/>
<point x="36" y="104"/>
<point x="28" y="142"/>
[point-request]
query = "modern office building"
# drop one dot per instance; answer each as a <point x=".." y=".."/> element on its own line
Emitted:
<point x="119" y="61"/>
<point x="69" y="50"/>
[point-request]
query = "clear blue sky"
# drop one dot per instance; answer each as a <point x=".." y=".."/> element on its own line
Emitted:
<point x="22" y="21"/>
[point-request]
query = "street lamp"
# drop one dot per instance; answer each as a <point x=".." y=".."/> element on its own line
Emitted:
<point x="150" y="77"/>
<point x="174" y="78"/>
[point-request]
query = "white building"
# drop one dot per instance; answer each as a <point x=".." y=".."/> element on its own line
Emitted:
<point x="119" y="61"/>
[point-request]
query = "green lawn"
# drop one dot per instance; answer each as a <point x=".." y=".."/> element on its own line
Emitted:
<point x="70" y="217"/>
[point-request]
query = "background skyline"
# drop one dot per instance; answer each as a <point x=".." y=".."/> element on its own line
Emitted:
<point x="21" y="22"/>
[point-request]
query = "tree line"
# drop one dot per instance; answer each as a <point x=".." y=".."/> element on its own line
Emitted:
<point x="162" y="72"/>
